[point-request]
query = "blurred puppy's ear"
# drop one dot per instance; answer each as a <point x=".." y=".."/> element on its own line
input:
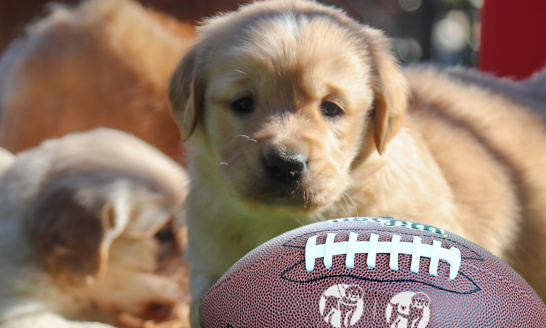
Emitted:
<point x="390" y="88"/>
<point x="186" y="92"/>
<point x="73" y="234"/>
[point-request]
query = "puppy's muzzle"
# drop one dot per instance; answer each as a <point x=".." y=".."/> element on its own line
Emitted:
<point x="285" y="167"/>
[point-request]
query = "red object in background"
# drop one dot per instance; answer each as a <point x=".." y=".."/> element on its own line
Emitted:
<point x="513" y="37"/>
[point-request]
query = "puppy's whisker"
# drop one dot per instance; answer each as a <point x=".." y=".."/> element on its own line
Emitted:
<point x="340" y="205"/>
<point x="239" y="71"/>
<point x="347" y="210"/>
<point x="224" y="163"/>
<point x="310" y="195"/>
<point x="353" y="202"/>
<point x="240" y="135"/>
<point x="245" y="136"/>
<point x="231" y="144"/>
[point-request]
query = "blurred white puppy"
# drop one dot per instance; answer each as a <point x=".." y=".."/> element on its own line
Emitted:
<point x="87" y="232"/>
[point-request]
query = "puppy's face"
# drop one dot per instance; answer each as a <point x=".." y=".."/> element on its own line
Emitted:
<point x="113" y="246"/>
<point x="285" y="117"/>
<point x="284" y="101"/>
<point x="142" y="276"/>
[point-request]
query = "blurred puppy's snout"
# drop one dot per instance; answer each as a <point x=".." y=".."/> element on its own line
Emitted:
<point x="285" y="167"/>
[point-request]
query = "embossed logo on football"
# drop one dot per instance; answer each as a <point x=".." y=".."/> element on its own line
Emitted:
<point x="371" y="272"/>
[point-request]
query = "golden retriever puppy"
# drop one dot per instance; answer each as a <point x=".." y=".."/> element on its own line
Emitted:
<point x="104" y="63"/>
<point x="87" y="232"/>
<point x="297" y="113"/>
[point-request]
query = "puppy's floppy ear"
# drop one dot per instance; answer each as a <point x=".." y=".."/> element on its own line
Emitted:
<point x="73" y="236"/>
<point x="390" y="89"/>
<point x="186" y="92"/>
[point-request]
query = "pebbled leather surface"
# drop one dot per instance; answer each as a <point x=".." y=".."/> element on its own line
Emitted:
<point x="270" y="286"/>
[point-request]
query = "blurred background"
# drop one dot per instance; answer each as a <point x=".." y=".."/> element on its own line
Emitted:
<point x="79" y="86"/>
<point x="443" y="31"/>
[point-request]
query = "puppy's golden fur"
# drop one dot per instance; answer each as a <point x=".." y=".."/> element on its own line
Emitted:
<point x="103" y="63"/>
<point x="87" y="232"/>
<point x="423" y="145"/>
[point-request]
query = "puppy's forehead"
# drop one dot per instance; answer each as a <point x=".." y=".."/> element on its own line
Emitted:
<point x="291" y="48"/>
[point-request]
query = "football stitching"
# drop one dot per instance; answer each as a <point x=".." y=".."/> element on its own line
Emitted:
<point x="374" y="247"/>
<point x="477" y="256"/>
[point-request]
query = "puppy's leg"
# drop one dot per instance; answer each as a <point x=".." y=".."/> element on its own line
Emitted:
<point x="49" y="320"/>
<point x="200" y="283"/>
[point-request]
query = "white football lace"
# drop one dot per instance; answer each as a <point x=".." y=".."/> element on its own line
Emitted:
<point x="373" y="247"/>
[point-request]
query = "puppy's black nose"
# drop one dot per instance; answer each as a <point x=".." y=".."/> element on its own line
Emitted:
<point x="285" y="167"/>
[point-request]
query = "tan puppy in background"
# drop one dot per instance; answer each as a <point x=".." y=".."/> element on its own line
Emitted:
<point x="103" y="63"/>
<point x="297" y="113"/>
<point x="87" y="232"/>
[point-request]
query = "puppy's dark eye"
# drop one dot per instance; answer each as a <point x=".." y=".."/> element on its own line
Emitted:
<point x="165" y="235"/>
<point x="330" y="109"/>
<point x="243" y="105"/>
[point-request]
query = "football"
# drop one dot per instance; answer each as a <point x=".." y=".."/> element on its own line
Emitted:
<point x="371" y="272"/>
